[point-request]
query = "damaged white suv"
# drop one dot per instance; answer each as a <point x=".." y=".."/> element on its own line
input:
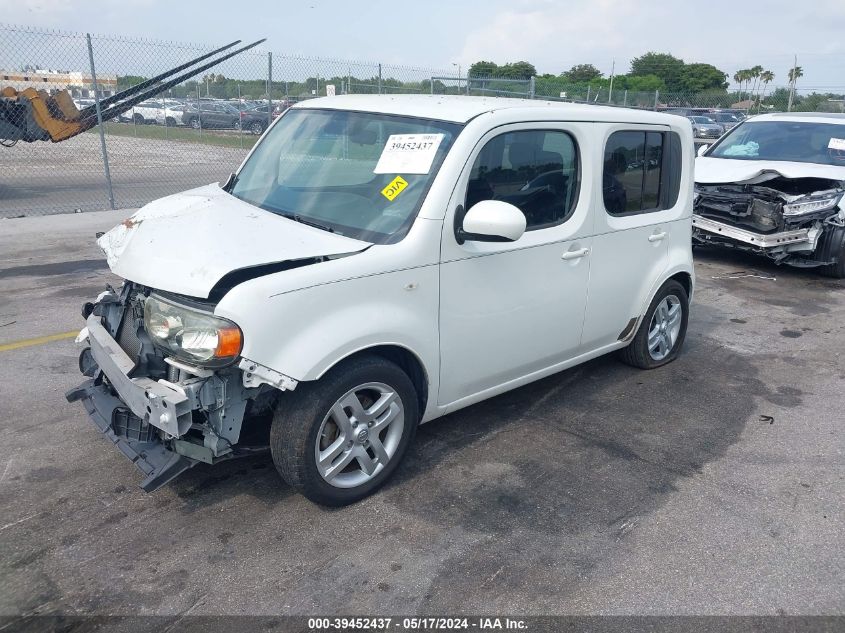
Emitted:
<point x="774" y="185"/>
<point x="378" y="262"/>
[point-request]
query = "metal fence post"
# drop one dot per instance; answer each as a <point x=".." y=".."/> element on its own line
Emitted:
<point x="532" y="85"/>
<point x="269" y="87"/>
<point x="588" y="93"/>
<point x="656" y="97"/>
<point x="379" y="78"/>
<point x="100" y="122"/>
<point x="625" y="100"/>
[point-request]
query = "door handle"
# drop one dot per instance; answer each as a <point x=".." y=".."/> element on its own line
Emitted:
<point x="576" y="254"/>
<point x="656" y="237"/>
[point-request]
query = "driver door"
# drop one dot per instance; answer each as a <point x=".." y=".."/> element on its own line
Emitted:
<point x="510" y="311"/>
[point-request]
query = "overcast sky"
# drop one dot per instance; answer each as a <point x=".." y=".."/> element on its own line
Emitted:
<point x="436" y="34"/>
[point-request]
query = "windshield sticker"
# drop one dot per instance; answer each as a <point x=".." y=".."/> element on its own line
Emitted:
<point x="837" y="144"/>
<point x="396" y="186"/>
<point x="748" y="149"/>
<point x="408" y="154"/>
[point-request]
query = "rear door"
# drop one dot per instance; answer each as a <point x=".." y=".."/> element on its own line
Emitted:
<point x="635" y="215"/>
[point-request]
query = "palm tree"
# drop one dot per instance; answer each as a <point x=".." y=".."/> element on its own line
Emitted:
<point x="755" y="71"/>
<point x="794" y="73"/>
<point x="766" y="77"/>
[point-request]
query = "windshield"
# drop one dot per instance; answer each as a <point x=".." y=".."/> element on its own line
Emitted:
<point x="794" y="141"/>
<point x="363" y="175"/>
<point x="701" y="119"/>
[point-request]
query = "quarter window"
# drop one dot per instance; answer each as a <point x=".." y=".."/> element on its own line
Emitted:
<point x="536" y="171"/>
<point x="641" y="172"/>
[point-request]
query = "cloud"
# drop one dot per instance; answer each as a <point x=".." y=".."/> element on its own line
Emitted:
<point x="555" y="35"/>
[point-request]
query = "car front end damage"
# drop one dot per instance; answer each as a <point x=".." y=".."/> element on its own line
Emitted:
<point x="164" y="413"/>
<point x="790" y="220"/>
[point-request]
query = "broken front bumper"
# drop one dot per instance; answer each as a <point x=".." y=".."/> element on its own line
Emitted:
<point x="152" y="403"/>
<point x="761" y="241"/>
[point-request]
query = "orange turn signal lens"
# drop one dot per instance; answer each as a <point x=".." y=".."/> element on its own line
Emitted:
<point x="229" y="342"/>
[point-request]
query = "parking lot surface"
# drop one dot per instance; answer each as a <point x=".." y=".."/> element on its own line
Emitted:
<point x="713" y="485"/>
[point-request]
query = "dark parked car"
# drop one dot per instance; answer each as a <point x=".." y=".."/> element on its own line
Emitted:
<point x="255" y="120"/>
<point x="210" y="114"/>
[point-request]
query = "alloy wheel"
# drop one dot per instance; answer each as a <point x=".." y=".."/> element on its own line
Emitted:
<point x="664" y="327"/>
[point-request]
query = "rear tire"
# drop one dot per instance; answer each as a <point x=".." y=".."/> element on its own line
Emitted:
<point x="662" y="331"/>
<point x="257" y="128"/>
<point x="137" y="119"/>
<point x="326" y="435"/>
<point x="194" y="123"/>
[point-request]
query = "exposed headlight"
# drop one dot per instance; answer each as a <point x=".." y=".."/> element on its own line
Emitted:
<point x="196" y="337"/>
<point x="821" y="203"/>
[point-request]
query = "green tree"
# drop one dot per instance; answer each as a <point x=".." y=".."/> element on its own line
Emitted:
<point x="700" y="77"/>
<point x="517" y="70"/>
<point x="582" y="73"/>
<point x="127" y="81"/>
<point x="663" y="65"/>
<point x="483" y="69"/>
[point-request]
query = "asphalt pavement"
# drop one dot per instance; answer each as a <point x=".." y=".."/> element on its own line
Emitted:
<point x="714" y="485"/>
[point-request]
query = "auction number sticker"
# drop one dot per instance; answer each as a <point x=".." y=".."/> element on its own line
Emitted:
<point x="408" y="154"/>
<point x="396" y="186"/>
<point x="837" y="144"/>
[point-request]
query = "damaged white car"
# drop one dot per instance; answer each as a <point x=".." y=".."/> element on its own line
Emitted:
<point x="381" y="261"/>
<point x="774" y="185"/>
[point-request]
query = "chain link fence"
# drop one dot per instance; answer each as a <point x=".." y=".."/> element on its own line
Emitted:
<point x="200" y="130"/>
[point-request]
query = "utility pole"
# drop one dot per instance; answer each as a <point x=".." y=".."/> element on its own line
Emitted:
<point x="792" y="83"/>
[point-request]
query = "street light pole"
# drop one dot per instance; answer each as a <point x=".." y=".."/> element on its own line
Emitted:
<point x="458" y="64"/>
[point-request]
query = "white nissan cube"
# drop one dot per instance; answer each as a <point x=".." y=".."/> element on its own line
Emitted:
<point x="378" y="262"/>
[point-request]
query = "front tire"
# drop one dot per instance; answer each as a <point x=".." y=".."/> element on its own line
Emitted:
<point x="339" y="439"/>
<point x="257" y="128"/>
<point x="832" y="247"/>
<point x="663" y="329"/>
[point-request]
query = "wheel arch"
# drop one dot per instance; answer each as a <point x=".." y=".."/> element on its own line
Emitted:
<point x="406" y="359"/>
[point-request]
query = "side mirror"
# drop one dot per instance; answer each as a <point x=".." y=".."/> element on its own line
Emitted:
<point x="489" y="221"/>
<point x="702" y="149"/>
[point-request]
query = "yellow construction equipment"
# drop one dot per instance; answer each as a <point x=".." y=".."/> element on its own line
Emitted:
<point x="35" y="115"/>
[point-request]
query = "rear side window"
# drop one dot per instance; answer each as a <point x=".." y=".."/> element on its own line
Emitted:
<point x="534" y="170"/>
<point x="642" y="172"/>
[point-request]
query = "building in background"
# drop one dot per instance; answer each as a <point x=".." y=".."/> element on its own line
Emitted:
<point x="80" y="85"/>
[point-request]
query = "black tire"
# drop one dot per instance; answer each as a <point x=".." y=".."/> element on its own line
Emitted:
<point x="637" y="354"/>
<point x="137" y="119"/>
<point x="170" y="122"/>
<point x="257" y="128"/>
<point x="194" y="123"/>
<point x="236" y="125"/>
<point x="300" y="415"/>
<point x="832" y="246"/>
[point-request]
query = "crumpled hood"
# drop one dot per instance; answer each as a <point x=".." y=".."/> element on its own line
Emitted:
<point x="723" y="170"/>
<point x="187" y="242"/>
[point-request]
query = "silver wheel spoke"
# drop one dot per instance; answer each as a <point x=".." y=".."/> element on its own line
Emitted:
<point x="328" y="455"/>
<point x="381" y="405"/>
<point x="665" y="327"/>
<point x="378" y="449"/>
<point x="342" y="463"/>
<point x="368" y="465"/>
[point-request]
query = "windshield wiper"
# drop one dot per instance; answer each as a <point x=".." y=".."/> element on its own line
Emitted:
<point x="310" y="222"/>
<point x="298" y="218"/>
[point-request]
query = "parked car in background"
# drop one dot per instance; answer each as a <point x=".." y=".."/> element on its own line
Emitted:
<point x="726" y="119"/>
<point x="210" y="114"/>
<point x="774" y="185"/>
<point x="171" y="115"/>
<point x="705" y="127"/>
<point x="255" y="120"/>
<point x="466" y="247"/>
<point x="145" y="112"/>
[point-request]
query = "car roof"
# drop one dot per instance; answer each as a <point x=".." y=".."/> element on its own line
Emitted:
<point x="460" y="109"/>
<point x="807" y="117"/>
